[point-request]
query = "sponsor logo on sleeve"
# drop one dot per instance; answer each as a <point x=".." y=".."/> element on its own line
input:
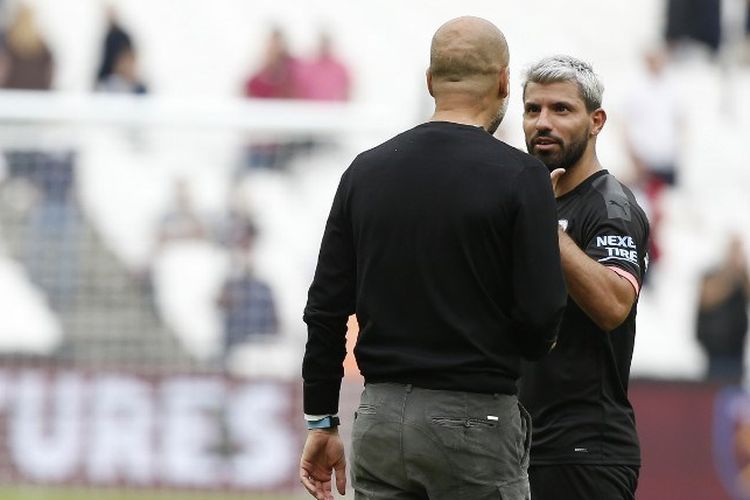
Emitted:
<point x="618" y="247"/>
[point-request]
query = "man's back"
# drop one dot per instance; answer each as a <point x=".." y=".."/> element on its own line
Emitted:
<point x="441" y="218"/>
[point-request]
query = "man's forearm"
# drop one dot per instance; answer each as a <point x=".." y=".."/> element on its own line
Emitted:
<point x="322" y="364"/>
<point x="602" y="294"/>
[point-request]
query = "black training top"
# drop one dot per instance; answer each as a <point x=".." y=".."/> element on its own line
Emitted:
<point x="577" y="396"/>
<point x="444" y="241"/>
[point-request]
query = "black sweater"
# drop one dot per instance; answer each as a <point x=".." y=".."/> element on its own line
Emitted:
<point x="444" y="242"/>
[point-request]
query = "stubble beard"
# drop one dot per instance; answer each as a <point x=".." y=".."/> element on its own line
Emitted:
<point x="495" y="123"/>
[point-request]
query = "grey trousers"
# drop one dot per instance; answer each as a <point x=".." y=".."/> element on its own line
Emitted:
<point x="410" y="443"/>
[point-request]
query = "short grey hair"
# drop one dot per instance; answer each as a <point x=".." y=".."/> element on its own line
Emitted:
<point x="563" y="68"/>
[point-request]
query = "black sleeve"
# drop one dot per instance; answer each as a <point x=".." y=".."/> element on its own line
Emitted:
<point x="539" y="289"/>
<point x="616" y="236"/>
<point x="330" y="302"/>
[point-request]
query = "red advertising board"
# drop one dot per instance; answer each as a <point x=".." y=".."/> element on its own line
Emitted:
<point x="117" y="429"/>
<point x="67" y="427"/>
<point x="695" y="441"/>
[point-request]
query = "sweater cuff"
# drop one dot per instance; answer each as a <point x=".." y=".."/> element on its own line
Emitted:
<point x="321" y="398"/>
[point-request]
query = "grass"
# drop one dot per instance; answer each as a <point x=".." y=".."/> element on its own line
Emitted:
<point x="37" y="493"/>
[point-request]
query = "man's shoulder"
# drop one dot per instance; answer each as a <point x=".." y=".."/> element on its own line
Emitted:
<point x="616" y="198"/>
<point x="518" y="161"/>
<point x="385" y="146"/>
<point x="512" y="159"/>
<point x="522" y="157"/>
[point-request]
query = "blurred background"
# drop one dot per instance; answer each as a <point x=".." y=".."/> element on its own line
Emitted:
<point x="166" y="169"/>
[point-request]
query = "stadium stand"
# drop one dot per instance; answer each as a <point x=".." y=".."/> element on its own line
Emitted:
<point x="98" y="304"/>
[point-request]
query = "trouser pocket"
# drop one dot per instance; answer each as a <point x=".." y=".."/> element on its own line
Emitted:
<point x="526" y="428"/>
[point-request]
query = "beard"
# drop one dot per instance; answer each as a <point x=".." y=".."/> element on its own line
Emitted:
<point x="495" y="123"/>
<point x="567" y="155"/>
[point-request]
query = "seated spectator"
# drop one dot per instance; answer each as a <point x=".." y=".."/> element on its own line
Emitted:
<point x="118" y="69"/>
<point x="277" y="76"/>
<point x="124" y="76"/>
<point x="249" y="309"/>
<point x="325" y="77"/>
<point x="115" y="41"/>
<point x="722" y="321"/>
<point x="51" y="252"/>
<point x="246" y="301"/>
<point x="25" y="59"/>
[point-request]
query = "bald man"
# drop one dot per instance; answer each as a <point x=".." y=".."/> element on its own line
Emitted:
<point x="443" y="241"/>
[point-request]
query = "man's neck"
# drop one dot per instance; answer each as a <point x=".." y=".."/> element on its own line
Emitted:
<point x="459" y="116"/>
<point x="464" y="110"/>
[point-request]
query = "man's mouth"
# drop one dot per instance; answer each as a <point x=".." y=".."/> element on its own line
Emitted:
<point x="545" y="143"/>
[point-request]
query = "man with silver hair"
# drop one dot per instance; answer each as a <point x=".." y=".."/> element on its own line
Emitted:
<point x="584" y="444"/>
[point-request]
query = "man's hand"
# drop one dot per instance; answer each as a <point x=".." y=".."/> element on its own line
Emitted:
<point x="322" y="455"/>
<point x="554" y="176"/>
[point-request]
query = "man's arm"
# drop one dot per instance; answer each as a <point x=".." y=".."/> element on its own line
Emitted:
<point x="603" y="293"/>
<point x="330" y="303"/>
<point x="538" y="286"/>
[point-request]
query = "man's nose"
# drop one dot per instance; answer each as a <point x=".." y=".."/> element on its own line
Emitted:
<point x="543" y="121"/>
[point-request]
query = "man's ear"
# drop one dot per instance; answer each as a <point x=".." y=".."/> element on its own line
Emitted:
<point x="598" y="119"/>
<point x="428" y="75"/>
<point x="503" y="89"/>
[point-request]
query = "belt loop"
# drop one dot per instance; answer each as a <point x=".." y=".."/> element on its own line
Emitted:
<point x="408" y="388"/>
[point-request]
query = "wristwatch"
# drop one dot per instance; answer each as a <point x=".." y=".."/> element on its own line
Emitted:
<point x="328" y="422"/>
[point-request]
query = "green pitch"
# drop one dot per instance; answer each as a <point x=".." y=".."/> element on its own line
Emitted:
<point x="20" y="493"/>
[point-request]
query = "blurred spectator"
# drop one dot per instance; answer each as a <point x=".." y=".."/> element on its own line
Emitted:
<point x="51" y="250"/>
<point x="247" y="302"/>
<point x="237" y="230"/>
<point x="51" y="253"/>
<point x="653" y="128"/>
<point x="25" y="60"/>
<point x="180" y="221"/>
<point x="694" y="20"/>
<point x="324" y="77"/>
<point x="249" y="310"/>
<point x="118" y="69"/>
<point x="115" y="41"/>
<point x="277" y="76"/>
<point x="124" y="77"/>
<point x="722" y="321"/>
